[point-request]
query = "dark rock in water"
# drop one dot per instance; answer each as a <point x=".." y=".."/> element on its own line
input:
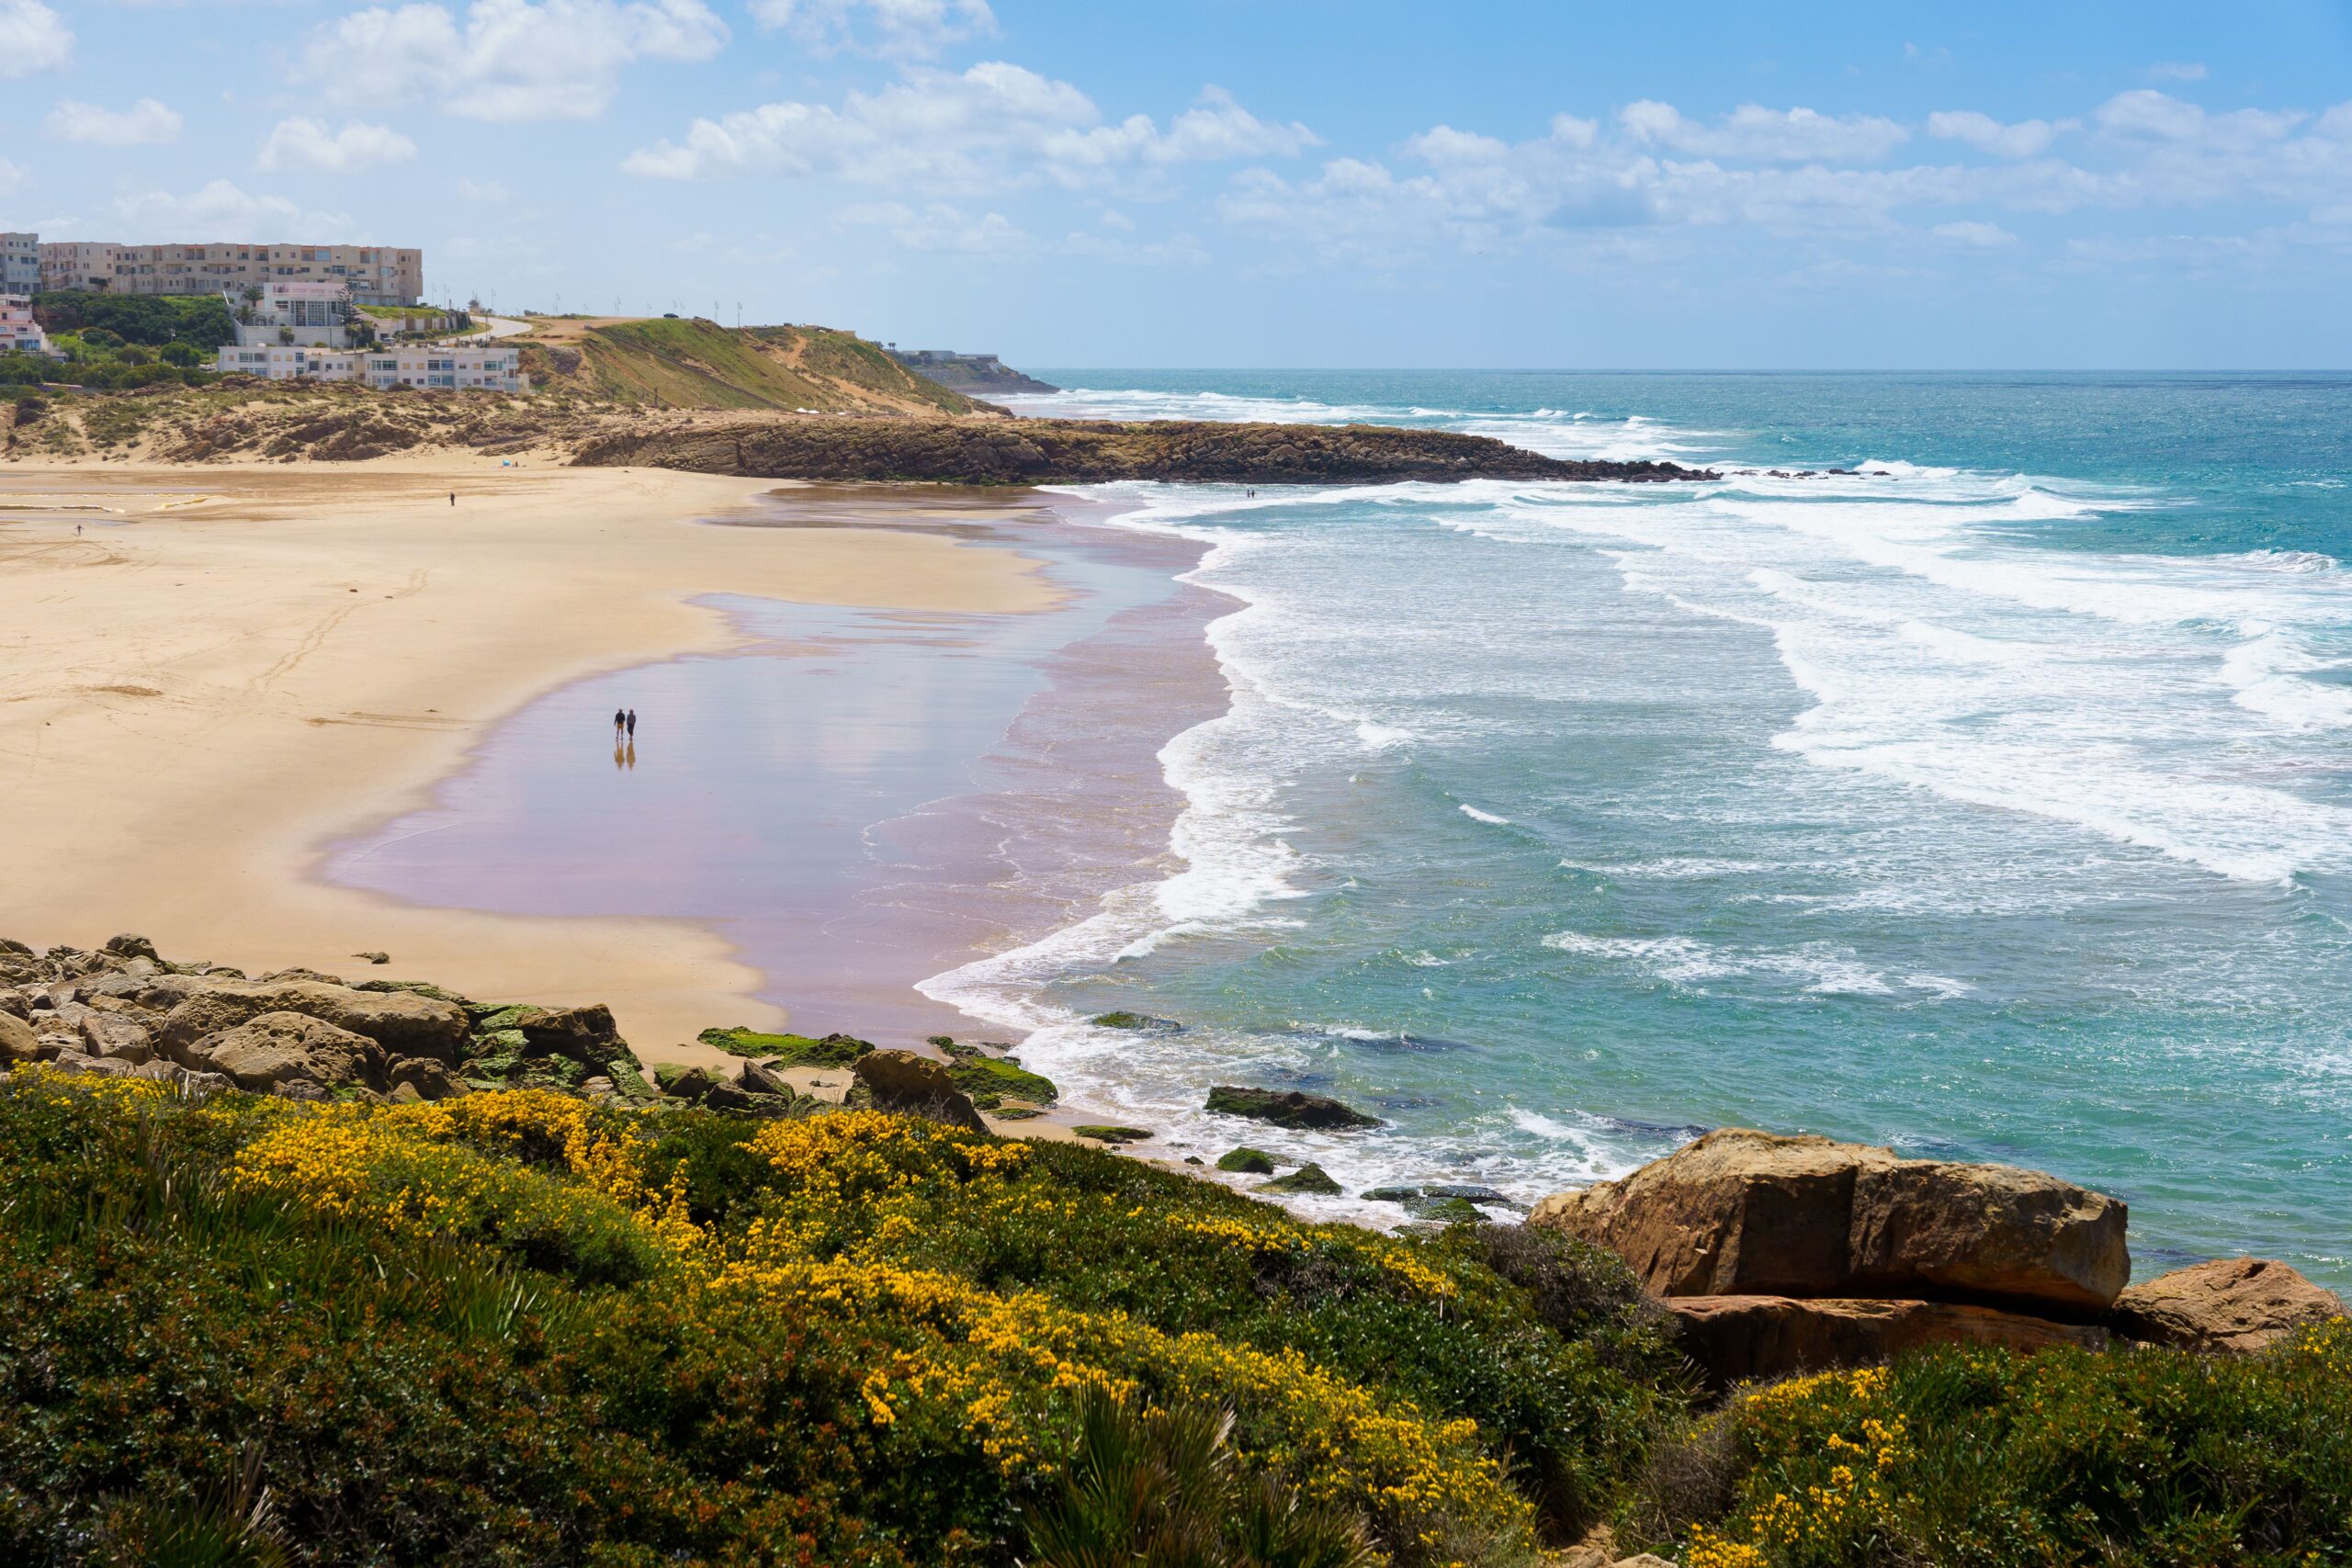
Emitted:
<point x="1136" y="1021"/>
<point x="1102" y="1133"/>
<point x="1450" y="1202"/>
<point x="1286" y="1107"/>
<point x="1307" y="1178"/>
<point x="1247" y="1161"/>
<point x="918" y="1086"/>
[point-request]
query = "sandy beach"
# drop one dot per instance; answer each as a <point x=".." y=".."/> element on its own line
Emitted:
<point x="230" y="668"/>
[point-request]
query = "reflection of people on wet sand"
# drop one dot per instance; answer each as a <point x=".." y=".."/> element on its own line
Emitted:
<point x="632" y="727"/>
<point x="617" y="756"/>
<point x="632" y="754"/>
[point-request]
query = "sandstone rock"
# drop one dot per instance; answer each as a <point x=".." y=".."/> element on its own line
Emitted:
<point x="404" y="1024"/>
<point x="1286" y="1107"/>
<point x="265" y="1054"/>
<point x="681" y="1082"/>
<point x="423" y="1077"/>
<point x="95" y="1066"/>
<point x="111" y="1034"/>
<point x="758" y="1080"/>
<point x="1742" y="1213"/>
<point x="17" y="1042"/>
<point x="1738" y="1337"/>
<point x="405" y="1094"/>
<point x="129" y="946"/>
<point x="2230" y="1303"/>
<point x="902" y="1081"/>
<point x="586" y="1034"/>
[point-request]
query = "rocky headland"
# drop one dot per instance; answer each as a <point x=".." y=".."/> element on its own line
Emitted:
<point x="1059" y="451"/>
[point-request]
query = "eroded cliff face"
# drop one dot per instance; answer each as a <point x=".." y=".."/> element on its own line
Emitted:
<point x="1044" y="451"/>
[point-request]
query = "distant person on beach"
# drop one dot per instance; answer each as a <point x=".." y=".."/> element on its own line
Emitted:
<point x="620" y="718"/>
<point x="453" y="498"/>
<point x="632" y="727"/>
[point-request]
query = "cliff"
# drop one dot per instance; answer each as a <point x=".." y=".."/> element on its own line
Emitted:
<point x="982" y="375"/>
<point x="1050" y="451"/>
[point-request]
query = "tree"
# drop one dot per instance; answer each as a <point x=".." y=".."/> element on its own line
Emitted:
<point x="181" y="353"/>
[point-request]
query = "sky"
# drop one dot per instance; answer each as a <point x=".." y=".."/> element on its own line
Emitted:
<point x="2066" y="184"/>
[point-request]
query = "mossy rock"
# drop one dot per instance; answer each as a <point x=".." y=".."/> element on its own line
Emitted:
<point x="1142" y="1021"/>
<point x="496" y="1068"/>
<point x="1287" y="1107"/>
<point x="1003" y="1076"/>
<point x="792" y="1050"/>
<point x="1247" y="1161"/>
<point x="1102" y="1133"/>
<point x="1310" y="1177"/>
<point x="1451" y="1212"/>
<point x="1015" y="1112"/>
<point x="415" y="988"/>
<point x="502" y="1043"/>
<point x="513" y="1016"/>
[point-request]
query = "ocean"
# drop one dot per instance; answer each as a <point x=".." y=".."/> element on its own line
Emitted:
<point x="1993" y="801"/>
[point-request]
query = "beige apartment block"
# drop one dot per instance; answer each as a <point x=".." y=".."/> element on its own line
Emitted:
<point x="376" y="275"/>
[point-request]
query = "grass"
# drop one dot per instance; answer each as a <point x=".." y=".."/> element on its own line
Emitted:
<point x="790" y="1050"/>
<point x="681" y="362"/>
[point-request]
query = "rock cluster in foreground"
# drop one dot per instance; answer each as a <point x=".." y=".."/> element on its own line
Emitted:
<point x="1060" y="451"/>
<point x="1778" y="1254"/>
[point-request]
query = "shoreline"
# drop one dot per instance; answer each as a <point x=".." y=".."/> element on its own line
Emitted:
<point x="187" y="779"/>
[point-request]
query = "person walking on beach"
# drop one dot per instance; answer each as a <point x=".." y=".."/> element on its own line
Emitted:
<point x="620" y="718"/>
<point x="632" y="727"/>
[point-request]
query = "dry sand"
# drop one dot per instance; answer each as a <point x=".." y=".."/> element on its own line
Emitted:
<point x="234" y="666"/>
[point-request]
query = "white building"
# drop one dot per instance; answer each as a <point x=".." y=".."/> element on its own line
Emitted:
<point x="429" y="366"/>
<point x="19" y="333"/>
<point x="20" y="264"/>
<point x="313" y="312"/>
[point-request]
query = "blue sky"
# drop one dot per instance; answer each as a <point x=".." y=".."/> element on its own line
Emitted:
<point x="1283" y="183"/>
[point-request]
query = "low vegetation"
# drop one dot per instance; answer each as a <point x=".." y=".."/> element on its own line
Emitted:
<point x="523" y="1327"/>
<point x="693" y="364"/>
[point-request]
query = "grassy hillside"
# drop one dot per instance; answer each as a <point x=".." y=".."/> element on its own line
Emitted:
<point x="695" y="363"/>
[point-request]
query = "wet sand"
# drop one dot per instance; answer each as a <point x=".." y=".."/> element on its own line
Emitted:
<point x="852" y="799"/>
<point x="232" y="668"/>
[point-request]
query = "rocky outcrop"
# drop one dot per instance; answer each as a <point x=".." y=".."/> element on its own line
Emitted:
<point x="2230" y="1303"/>
<point x="273" y="1050"/>
<point x="1743" y="1212"/>
<point x="404" y="1023"/>
<point x="1286" y="1107"/>
<point x="1734" y="1339"/>
<point x="1310" y="1177"/>
<point x="1062" y="451"/>
<point x="902" y="1081"/>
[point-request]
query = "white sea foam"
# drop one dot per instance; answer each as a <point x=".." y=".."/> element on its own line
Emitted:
<point x="1475" y="815"/>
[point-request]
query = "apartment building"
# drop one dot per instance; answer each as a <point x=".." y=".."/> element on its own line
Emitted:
<point x="19" y="333"/>
<point x="20" y="264"/>
<point x="374" y="275"/>
<point x="315" y="313"/>
<point x="486" y="369"/>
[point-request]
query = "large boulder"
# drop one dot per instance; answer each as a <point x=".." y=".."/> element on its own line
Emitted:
<point x="111" y="1034"/>
<point x="285" y="1048"/>
<point x="1286" y="1107"/>
<point x="1735" y="1339"/>
<point x="2230" y="1303"/>
<point x="404" y="1023"/>
<point x="902" y="1081"/>
<point x="1743" y="1212"/>
<point x="18" y="1041"/>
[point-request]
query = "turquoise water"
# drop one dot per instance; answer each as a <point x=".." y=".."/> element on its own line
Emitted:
<point x="1995" y="802"/>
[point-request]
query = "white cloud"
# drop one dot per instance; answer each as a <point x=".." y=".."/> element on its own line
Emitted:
<point x="222" y="208"/>
<point x="2177" y="71"/>
<point x="1752" y="133"/>
<point x="511" y="60"/>
<point x="1976" y="235"/>
<point x="940" y="227"/>
<point x="32" y="37"/>
<point x="483" y="190"/>
<point x="2025" y="138"/>
<point x="992" y="126"/>
<point x="14" y="177"/>
<point x="310" y="145"/>
<point x="905" y="29"/>
<point x="146" y="123"/>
